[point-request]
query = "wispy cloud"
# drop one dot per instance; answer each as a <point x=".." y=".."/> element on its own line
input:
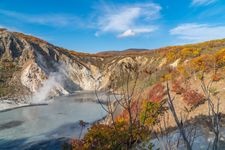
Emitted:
<point x="202" y="2"/>
<point x="194" y="32"/>
<point x="43" y="19"/>
<point x="121" y="20"/>
<point x="128" y="20"/>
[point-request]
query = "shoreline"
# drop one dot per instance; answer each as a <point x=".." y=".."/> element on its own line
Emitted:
<point x="22" y="106"/>
<point x="7" y="105"/>
<point x="4" y="106"/>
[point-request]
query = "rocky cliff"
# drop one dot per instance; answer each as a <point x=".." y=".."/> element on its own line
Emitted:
<point x="39" y="63"/>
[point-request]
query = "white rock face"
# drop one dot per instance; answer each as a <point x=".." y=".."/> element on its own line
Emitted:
<point x="175" y="63"/>
<point x="32" y="77"/>
<point x="84" y="77"/>
<point x="163" y="62"/>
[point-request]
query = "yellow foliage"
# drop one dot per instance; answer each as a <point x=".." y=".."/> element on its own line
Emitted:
<point x="120" y="119"/>
<point x="202" y="63"/>
<point x="220" y="58"/>
<point x="189" y="52"/>
<point x="150" y="112"/>
<point x="171" y="55"/>
<point x="167" y="77"/>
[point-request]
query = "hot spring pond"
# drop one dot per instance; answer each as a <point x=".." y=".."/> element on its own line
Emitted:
<point x="46" y="126"/>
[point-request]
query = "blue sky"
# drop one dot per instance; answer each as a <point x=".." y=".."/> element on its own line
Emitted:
<point x="99" y="25"/>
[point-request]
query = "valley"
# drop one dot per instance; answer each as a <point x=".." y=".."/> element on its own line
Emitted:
<point x="141" y="88"/>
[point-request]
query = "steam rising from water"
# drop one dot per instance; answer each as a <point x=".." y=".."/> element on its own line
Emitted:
<point x="53" y="85"/>
<point x="49" y="85"/>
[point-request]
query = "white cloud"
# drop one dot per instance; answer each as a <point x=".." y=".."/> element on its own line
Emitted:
<point x="127" y="33"/>
<point x="43" y="19"/>
<point x="134" y="32"/>
<point x="202" y="2"/>
<point x="128" y="20"/>
<point x="194" y="32"/>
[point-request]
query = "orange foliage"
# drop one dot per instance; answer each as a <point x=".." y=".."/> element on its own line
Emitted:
<point x="124" y="116"/>
<point x="216" y="77"/>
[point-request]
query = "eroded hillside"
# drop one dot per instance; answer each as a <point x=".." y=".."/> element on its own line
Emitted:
<point x="30" y="62"/>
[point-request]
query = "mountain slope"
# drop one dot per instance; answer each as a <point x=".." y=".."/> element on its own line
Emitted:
<point x="36" y="66"/>
<point x="37" y="61"/>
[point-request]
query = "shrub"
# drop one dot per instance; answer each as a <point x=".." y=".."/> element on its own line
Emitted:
<point x="102" y="136"/>
<point x="157" y="93"/>
<point x="150" y="112"/>
<point x="181" y="69"/>
<point x="124" y="115"/>
<point x="213" y="91"/>
<point x="177" y="88"/>
<point x="167" y="77"/>
<point x="193" y="98"/>
<point x="220" y="58"/>
<point x="75" y="144"/>
<point x="202" y="63"/>
<point x="171" y="55"/>
<point x="189" y="52"/>
<point x="216" y="77"/>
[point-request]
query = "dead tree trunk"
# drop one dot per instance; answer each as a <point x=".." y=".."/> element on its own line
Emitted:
<point x="213" y="112"/>
<point x="178" y="123"/>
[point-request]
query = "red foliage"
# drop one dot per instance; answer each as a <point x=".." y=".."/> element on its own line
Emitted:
<point x="135" y="108"/>
<point x="193" y="98"/>
<point x="177" y="88"/>
<point x="157" y="93"/>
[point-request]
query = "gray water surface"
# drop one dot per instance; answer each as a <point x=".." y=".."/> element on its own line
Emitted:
<point x="46" y="126"/>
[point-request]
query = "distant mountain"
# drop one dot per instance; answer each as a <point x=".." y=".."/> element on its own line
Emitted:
<point x="123" y="52"/>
